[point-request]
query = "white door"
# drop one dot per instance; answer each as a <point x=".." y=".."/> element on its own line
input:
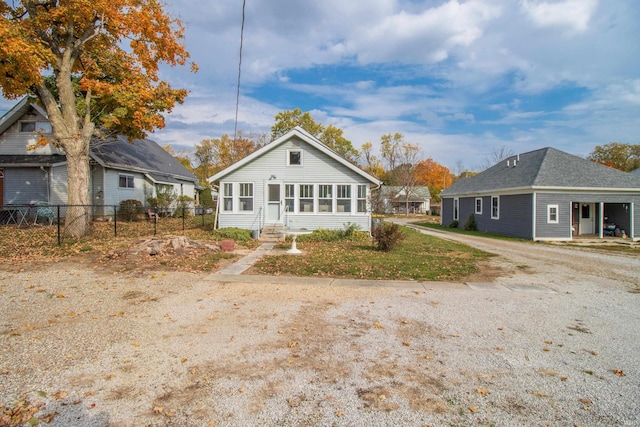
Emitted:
<point x="274" y="203"/>
<point x="587" y="218"/>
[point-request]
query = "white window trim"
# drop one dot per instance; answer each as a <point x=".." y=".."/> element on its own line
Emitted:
<point x="314" y="199"/>
<point x="133" y="181"/>
<point x="497" y="215"/>
<point x="332" y="199"/>
<point x="252" y="197"/>
<point x="357" y="199"/>
<point x="343" y="199"/>
<point x="478" y="212"/>
<point x="456" y="209"/>
<point x="549" y="220"/>
<point x="224" y="196"/>
<point x="292" y="150"/>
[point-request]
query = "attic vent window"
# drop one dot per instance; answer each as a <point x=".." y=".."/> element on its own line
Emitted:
<point x="294" y="157"/>
<point x="44" y="127"/>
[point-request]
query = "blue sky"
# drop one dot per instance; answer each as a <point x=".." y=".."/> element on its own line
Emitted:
<point x="459" y="78"/>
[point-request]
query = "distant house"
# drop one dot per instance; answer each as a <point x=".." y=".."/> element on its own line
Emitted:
<point x="294" y="182"/>
<point x="547" y="194"/>
<point x="119" y="170"/>
<point x="397" y="198"/>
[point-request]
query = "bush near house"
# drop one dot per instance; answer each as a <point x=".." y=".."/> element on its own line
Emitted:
<point x="387" y="236"/>
<point x="130" y="210"/>
<point x="471" y="225"/>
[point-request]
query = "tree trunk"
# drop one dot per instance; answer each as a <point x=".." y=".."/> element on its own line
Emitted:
<point x="78" y="181"/>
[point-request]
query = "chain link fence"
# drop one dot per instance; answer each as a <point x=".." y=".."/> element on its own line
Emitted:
<point x="125" y="221"/>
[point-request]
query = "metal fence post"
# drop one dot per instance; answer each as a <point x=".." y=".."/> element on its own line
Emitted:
<point x="59" y="236"/>
<point x="115" y="221"/>
<point x="183" y="216"/>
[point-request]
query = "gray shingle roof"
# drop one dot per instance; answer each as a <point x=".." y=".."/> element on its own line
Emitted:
<point x="544" y="168"/>
<point x="418" y="193"/>
<point x="143" y="155"/>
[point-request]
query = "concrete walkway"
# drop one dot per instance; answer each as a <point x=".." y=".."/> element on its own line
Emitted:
<point x="246" y="262"/>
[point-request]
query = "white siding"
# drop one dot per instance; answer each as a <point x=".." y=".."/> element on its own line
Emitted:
<point x="317" y="168"/>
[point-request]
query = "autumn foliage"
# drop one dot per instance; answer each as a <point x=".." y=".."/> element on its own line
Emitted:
<point x="93" y="65"/>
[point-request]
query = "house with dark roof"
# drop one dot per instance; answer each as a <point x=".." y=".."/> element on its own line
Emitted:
<point x="400" y="199"/>
<point x="31" y="173"/>
<point x="547" y="194"/>
<point x="294" y="182"/>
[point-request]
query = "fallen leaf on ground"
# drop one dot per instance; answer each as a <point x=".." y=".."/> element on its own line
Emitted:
<point x="473" y="409"/>
<point x="619" y="372"/>
<point x="482" y="391"/>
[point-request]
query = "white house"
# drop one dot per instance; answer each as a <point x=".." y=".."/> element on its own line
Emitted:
<point x="294" y="182"/>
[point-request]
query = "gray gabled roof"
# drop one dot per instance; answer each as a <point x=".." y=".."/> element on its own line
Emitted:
<point x="304" y="136"/>
<point x="635" y="172"/>
<point x="546" y="168"/>
<point x="417" y="193"/>
<point x="141" y="155"/>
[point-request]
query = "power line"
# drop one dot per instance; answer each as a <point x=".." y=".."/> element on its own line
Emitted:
<point x="235" y="127"/>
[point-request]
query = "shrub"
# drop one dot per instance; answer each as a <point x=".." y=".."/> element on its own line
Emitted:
<point x="349" y="232"/>
<point x="454" y="224"/>
<point x="183" y="205"/>
<point x="206" y="199"/>
<point x="387" y="236"/>
<point x="470" y="225"/>
<point x="237" y="234"/>
<point x="130" y="209"/>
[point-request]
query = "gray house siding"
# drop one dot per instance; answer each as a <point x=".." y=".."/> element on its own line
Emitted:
<point x="514" y="217"/>
<point x="24" y="186"/>
<point x="614" y="211"/>
<point x="58" y="183"/>
<point x="547" y="230"/>
<point x="446" y="216"/>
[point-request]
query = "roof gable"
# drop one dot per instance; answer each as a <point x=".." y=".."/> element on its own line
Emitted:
<point x="307" y="138"/>
<point x="544" y="168"/>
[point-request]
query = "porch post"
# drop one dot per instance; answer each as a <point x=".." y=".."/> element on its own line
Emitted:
<point x="600" y="213"/>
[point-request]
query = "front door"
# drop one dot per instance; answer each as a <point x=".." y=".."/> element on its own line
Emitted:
<point x="274" y="203"/>
<point x="587" y="218"/>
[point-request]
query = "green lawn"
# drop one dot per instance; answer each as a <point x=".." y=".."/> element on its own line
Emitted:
<point x="418" y="257"/>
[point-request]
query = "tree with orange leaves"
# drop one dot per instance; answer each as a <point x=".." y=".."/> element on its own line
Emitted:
<point x="434" y="175"/>
<point x="98" y="84"/>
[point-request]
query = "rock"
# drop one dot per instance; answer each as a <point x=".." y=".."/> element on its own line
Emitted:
<point x="227" y="245"/>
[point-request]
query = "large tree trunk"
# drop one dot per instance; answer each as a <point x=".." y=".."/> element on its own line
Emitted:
<point x="77" y="217"/>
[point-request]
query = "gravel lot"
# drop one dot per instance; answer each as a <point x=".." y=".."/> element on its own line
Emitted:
<point x="554" y="340"/>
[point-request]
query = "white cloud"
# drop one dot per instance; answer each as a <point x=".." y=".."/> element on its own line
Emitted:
<point x="571" y="14"/>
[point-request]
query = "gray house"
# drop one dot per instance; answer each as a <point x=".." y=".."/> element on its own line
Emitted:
<point x="547" y="194"/>
<point x="31" y="173"/>
<point x="397" y="198"/>
<point x="294" y="182"/>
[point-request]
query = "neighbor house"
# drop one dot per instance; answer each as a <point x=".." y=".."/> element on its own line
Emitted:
<point x="294" y="182"/>
<point x="399" y="199"/>
<point x="31" y="173"/>
<point x="546" y="194"/>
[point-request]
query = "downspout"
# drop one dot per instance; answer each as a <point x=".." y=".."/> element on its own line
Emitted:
<point x="215" y="218"/>
<point x="533" y="219"/>
<point x="46" y="174"/>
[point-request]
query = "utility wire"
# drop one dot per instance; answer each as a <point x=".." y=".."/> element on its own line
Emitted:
<point x="235" y="128"/>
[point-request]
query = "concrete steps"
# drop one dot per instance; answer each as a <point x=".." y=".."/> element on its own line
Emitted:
<point x="271" y="233"/>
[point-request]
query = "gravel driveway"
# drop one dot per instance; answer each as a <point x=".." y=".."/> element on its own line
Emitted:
<point x="554" y="340"/>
